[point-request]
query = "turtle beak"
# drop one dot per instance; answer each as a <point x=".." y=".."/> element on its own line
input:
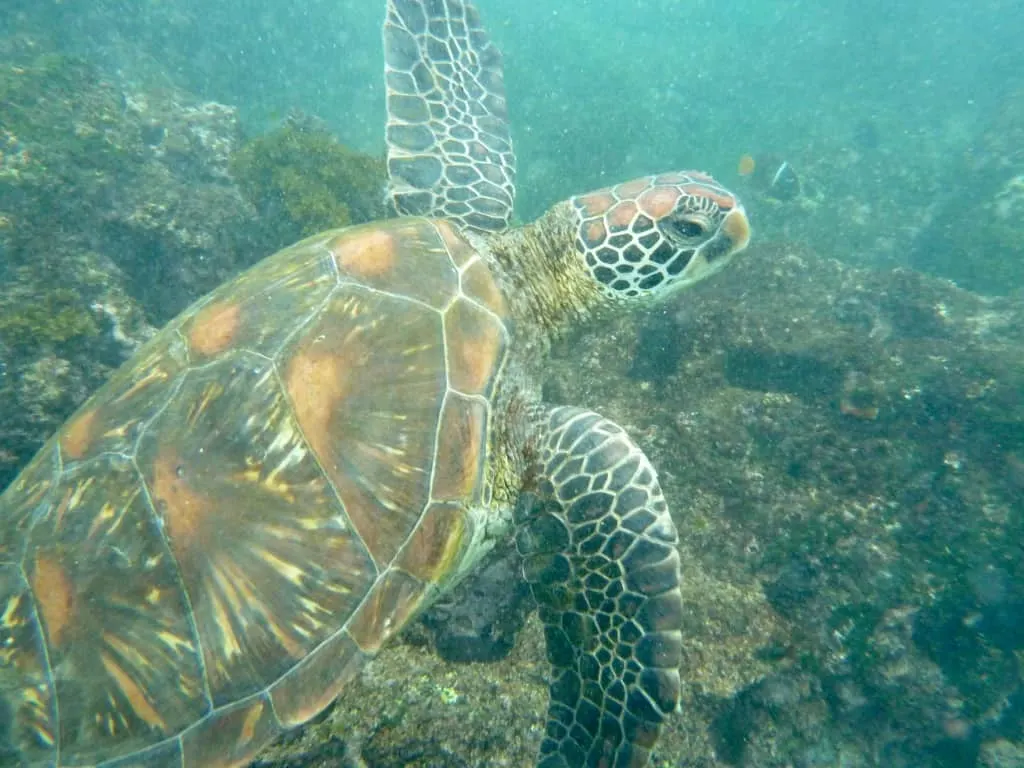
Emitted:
<point x="736" y="228"/>
<point x="732" y="236"/>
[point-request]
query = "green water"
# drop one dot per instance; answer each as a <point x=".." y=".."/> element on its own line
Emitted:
<point x="604" y="90"/>
<point x="883" y="407"/>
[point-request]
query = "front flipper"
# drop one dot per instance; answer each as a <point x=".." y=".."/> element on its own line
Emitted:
<point x="449" y="150"/>
<point x="600" y="553"/>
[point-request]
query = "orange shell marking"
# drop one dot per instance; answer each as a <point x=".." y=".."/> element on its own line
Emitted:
<point x="394" y="599"/>
<point x="214" y="328"/>
<point x="366" y="254"/>
<point x="230" y="738"/>
<point x="316" y="383"/>
<point x="595" y="232"/>
<point x="133" y="693"/>
<point x="724" y="201"/>
<point x="184" y="510"/>
<point x="436" y="543"/>
<point x="597" y="203"/>
<point x="622" y="214"/>
<point x="459" y="448"/>
<point x="54" y="595"/>
<point x="479" y="284"/>
<point x="77" y="437"/>
<point x="317" y="681"/>
<point x="461" y="251"/>
<point x="475" y="341"/>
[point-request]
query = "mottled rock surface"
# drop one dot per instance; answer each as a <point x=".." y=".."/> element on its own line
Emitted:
<point x="975" y="229"/>
<point x="116" y="211"/>
<point x="119" y="208"/>
<point x="843" y="450"/>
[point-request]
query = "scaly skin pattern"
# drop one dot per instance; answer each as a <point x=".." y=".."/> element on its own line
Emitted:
<point x="295" y="467"/>
<point x="599" y="551"/>
<point x="598" y="543"/>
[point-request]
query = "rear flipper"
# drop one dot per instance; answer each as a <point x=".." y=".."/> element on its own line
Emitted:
<point x="600" y="553"/>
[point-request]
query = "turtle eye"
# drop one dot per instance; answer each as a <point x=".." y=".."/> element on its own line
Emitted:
<point x="689" y="227"/>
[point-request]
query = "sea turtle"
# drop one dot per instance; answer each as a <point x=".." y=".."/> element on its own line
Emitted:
<point x="285" y="475"/>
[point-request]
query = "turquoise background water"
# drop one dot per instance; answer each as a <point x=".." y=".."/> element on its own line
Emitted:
<point x="845" y="440"/>
<point x="601" y="90"/>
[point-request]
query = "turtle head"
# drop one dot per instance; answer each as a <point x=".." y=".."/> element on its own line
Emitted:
<point x="651" y="236"/>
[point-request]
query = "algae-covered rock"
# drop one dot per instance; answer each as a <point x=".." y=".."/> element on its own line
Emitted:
<point x="118" y="209"/>
<point x="78" y="163"/>
<point x="91" y="164"/>
<point x="846" y="443"/>
<point x="843" y="452"/>
<point x="52" y="316"/>
<point x="303" y="180"/>
<point x="975" y="234"/>
<point x="61" y="335"/>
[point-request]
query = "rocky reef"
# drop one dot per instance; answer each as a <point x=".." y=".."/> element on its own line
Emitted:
<point x="843" y="451"/>
<point x="119" y="206"/>
<point x="842" y="447"/>
<point x="950" y="206"/>
<point x="302" y="180"/>
<point x="975" y="230"/>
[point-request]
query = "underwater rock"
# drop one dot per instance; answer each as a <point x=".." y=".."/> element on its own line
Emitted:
<point x="75" y="175"/>
<point x="975" y="235"/>
<point x="805" y="439"/>
<point x="866" y="135"/>
<point x="61" y="334"/>
<point x="793" y="586"/>
<point x="850" y="439"/>
<point x="480" y="619"/>
<point x="117" y="209"/>
<point x="302" y="180"/>
<point x="861" y="199"/>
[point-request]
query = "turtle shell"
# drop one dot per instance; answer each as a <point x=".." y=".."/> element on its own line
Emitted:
<point x="249" y="508"/>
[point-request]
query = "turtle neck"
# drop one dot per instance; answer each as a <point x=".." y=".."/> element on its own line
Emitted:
<point x="545" y="282"/>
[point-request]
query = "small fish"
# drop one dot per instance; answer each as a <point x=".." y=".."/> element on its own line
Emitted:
<point x="785" y="184"/>
<point x="772" y="176"/>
